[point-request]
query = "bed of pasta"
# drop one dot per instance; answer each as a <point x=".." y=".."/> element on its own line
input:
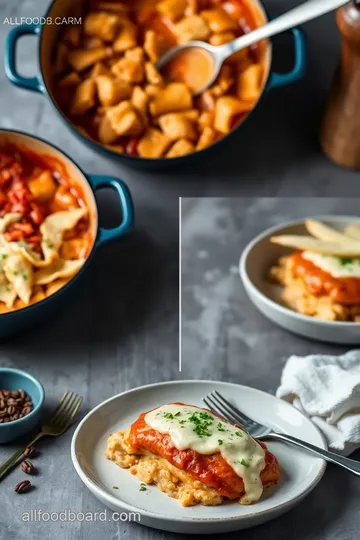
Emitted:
<point x="107" y="84"/>
<point x="44" y="228"/>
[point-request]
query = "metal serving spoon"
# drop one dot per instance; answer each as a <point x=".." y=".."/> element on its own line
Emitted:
<point x="218" y="54"/>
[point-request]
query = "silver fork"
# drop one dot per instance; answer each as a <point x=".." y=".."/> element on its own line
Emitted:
<point x="218" y="404"/>
<point x="57" y="424"/>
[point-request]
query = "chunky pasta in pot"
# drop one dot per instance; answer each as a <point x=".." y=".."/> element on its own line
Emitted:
<point x="106" y="81"/>
<point x="44" y="227"/>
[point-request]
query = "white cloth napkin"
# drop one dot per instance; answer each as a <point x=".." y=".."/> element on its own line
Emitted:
<point x="327" y="390"/>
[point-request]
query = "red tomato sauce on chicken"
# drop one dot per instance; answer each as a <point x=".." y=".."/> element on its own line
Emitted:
<point x="212" y="470"/>
<point x="344" y="291"/>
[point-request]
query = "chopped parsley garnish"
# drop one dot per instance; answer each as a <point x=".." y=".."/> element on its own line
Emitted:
<point x="345" y="261"/>
<point x="177" y="414"/>
<point x="168" y="415"/>
<point x="115" y="487"/>
<point x="202" y="421"/>
<point x="238" y="433"/>
<point x="49" y="245"/>
<point x="25" y="276"/>
<point x="3" y="256"/>
<point x="182" y="422"/>
<point x="142" y="487"/>
<point x="220" y="427"/>
<point x="244" y="462"/>
<point x="220" y="441"/>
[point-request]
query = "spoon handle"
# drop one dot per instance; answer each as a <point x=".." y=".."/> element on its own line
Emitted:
<point x="303" y="13"/>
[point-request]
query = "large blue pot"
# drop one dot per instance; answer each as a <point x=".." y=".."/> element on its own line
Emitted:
<point x="15" y="321"/>
<point x="48" y="34"/>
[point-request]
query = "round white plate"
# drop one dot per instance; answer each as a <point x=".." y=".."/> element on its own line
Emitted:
<point x="300" y="472"/>
<point x="254" y="266"/>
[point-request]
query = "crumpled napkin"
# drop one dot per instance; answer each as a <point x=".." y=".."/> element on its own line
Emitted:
<point x="327" y="390"/>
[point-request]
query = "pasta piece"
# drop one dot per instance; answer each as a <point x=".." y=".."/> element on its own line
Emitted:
<point x="61" y="59"/>
<point x="206" y="119"/>
<point x="82" y="59"/>
<point x="99" y="69"/>
<point x="43" y="187"/>
<point x="207" y="101"/>
<point x="173" y="9"/>
<point x="207" y="137"/>
<point x="131" y="67"/>
<point x="101" y="24"/>
<point x="180" y="148"/>
<point x="151" y="90"/>
<point x="56" y="285"/>
<point x="52" y="230"/>
<point x="84" y="97"/>
<point x="111" y="91"/>
<point x="223" y="83"/>
<point x="218" y="20"/>
<point x="124" y="120"/>
<point x="249" y="83"/>
<point x="227" y="108"/>
<point x="59" y="269"/>
<point x="91" y="42"/>
<point x="174" y="97"/>
<point x="115" y="7"/>
<point x="154" y="46"/>
<point x="106" y="133"/>
<point x="76" y="248"/>
<point x="7" y="291"/>
<point x="71" y="79"/>
<point x="8" y="219"/>
<point x="126" y="38"/>
<point x="192" y="28"/>
<point x="153" y="144"/>
<point x="72" y="35"/>
<point x="19" y="273"/>
<point x="178" y="126"/>
<point x="152" y="74"/>
<point x="139" y="100"/>
<point x="221" y="38"/>
<point x="192" y="8"/>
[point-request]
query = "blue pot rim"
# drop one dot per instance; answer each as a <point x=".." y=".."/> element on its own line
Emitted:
<point x="148" y="161"/>
<point x="33" y="307"/>
<point x="39" y="386"/>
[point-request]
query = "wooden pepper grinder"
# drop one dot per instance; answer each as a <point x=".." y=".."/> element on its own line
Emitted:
<point x="340" y="130"/>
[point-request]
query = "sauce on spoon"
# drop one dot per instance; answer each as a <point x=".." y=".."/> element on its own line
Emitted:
<point x="193" y="66"/>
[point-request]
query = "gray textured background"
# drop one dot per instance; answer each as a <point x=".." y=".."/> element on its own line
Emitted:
<point x="122" y="329"/>
<point x="225" y="338"/>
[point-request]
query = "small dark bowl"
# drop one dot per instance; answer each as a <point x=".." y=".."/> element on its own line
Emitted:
<point x="15" y="379"/>
<point x="48" y="34"/>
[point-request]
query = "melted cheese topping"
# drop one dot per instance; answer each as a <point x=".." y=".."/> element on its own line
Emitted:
<point x="336" y="266"/>
<point x="193" y="428"/>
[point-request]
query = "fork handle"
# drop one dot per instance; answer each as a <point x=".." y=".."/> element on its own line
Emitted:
<point x="9" y="463"/>
<point x="350" y="464"/>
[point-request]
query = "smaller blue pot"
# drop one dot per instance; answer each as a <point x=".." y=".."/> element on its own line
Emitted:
<point x="14" y="379"/>
<point x="14" y="321"/>
<point x="48" y="35"/>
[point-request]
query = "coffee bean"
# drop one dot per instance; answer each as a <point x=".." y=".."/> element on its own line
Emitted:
<point x="23" y="486"/>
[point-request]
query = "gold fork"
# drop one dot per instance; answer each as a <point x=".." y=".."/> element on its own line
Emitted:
<point x="58" y="423"/>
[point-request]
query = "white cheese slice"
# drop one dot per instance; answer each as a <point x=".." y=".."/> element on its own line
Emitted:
<point x="338" y="267"/>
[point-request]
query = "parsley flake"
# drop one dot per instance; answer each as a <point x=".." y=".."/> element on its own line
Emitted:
<point x="244" y="462"/>
<point x="220" y="441"/>
<point x="142" y="487"/>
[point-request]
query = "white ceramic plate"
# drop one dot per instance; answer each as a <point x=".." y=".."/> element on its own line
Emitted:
<point x="300" y="471"/>
<point x="255" y="262"/>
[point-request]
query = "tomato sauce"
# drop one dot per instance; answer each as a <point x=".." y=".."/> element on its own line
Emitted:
<point x="344" y="291"/>
<point x="35" y="186"/>
<point x="212" y="470"/>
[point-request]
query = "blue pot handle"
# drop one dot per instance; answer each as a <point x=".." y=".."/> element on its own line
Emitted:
<point x="298" y="71"/>
<point x="126" y="204"/>
<point x="29" y="83"/>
